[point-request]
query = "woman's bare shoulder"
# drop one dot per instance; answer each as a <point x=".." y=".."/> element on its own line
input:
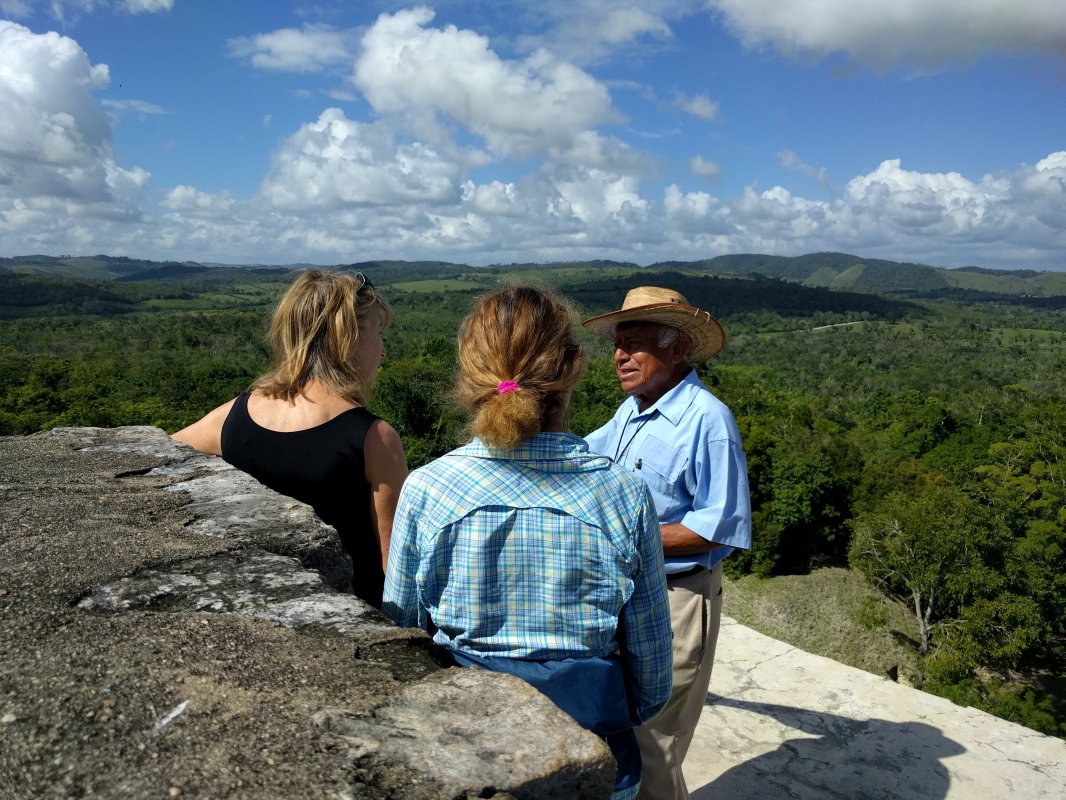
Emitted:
<point x="206" y="433"/>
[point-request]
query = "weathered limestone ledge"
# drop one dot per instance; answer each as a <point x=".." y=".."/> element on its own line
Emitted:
<point x="170" y="627"/>
<point x="783" y="724"/>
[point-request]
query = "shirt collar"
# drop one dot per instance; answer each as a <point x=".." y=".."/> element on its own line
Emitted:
<point x="673" y="405"/>
<point x="547" y="452"/>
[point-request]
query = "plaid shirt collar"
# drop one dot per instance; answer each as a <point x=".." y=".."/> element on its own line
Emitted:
<point x="545" y="452"/>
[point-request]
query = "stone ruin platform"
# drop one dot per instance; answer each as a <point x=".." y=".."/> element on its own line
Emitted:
<point x="783" y="724"/>
<point x="169" y="627"/>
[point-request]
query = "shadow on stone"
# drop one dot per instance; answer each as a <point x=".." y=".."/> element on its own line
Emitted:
<point x="837" y="758"/>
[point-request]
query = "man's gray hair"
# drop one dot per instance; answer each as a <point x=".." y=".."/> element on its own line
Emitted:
<point x="668" y="335"/>
<point x="664" y="335"/>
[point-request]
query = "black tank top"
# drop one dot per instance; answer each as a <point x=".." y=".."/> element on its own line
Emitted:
<point x="323" y="467"/>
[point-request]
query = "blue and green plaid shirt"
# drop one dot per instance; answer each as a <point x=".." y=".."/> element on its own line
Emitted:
<point x="542" y="552"/>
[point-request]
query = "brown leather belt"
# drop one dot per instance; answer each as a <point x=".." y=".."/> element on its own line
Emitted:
<point x="688" y="573"/>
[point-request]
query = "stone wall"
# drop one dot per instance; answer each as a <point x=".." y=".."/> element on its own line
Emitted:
<point x="170" y="627"/>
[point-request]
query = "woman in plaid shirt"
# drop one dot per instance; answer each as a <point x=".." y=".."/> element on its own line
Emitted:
<point x="521" y="551"/>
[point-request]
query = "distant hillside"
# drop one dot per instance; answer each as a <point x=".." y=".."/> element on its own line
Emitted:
<point x="93" y="268"/>
<point x="169" y="271"/>
<point x="852" y="273"/>
<point x="38" y="295"/>
<point x="731" y="296"/>
<point x="836" y="271"/>
<point x="829" y="270"/>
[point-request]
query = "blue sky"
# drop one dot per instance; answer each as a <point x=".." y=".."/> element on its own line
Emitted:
<point x="251" y="131"/>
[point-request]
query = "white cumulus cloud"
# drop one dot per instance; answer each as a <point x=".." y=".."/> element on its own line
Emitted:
<point x="68" y="10"/>
<point x="55" y="141"/>
<point x="188" y="200"/>
<point x="894" y="213"/>
<point x="585" y="33"/>
<point x="470" y="155"/>
<point x="702" y="168"/>
<point x="698" y="106"/>
<point x="149" y="6"/>
<point x="15" y="8"/>
<point x="789" y="159"/>
<point x="311" y="48"/>
<point x="47" y="112"/>
<point x="519" y="109"/>
<point x="336" y="162"/>
<point x="892" y="33"/>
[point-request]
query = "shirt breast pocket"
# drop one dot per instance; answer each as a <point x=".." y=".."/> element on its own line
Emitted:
<point x="662" y="464"/>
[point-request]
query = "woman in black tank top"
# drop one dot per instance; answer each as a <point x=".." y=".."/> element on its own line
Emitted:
<point x="303" y="429"/>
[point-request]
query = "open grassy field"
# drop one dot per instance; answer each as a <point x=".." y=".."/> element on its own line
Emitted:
<point x="442" y="284"/>
<point x="831" y="612"/>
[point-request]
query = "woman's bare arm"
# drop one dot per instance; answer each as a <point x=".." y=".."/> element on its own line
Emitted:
<point x="206" y="433"/>
<point x="386" y="470"/>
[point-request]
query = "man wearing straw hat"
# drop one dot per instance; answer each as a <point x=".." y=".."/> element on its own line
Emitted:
<point x="684" y="442"/>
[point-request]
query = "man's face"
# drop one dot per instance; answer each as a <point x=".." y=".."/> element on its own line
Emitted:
<point x="646" y="370"/>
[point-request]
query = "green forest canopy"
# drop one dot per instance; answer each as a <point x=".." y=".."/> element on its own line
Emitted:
<point x="910" y="426"/>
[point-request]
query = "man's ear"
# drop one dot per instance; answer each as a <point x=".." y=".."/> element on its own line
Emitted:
<point x="679" y="349"/>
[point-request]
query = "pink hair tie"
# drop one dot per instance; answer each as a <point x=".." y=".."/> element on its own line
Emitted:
<point x="507" y="386"/>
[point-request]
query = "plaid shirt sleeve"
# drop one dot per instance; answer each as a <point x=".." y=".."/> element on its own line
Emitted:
<point x="400" y="599"/>
<point x="645" y="620"/>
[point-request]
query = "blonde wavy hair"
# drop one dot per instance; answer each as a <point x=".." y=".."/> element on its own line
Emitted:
<point x="314" y="333"/>
<point x="525" y="335"/>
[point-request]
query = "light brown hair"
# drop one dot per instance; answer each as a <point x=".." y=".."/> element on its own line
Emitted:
<point x="526" y="335"/>
<point x="314" y="333"/>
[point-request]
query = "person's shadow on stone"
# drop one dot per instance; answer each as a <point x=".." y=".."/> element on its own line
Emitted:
<point x="843" y="759"/>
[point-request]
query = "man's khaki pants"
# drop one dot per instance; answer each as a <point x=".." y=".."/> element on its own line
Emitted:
<point x="695" y="616"/>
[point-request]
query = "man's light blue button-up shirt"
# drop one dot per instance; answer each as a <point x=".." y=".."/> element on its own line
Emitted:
<point x="687" y="448"/>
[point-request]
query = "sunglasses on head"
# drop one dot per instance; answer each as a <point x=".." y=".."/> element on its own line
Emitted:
<point x="363" y="281"/>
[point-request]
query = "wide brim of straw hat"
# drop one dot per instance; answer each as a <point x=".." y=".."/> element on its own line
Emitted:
<point x="665" y="307"/>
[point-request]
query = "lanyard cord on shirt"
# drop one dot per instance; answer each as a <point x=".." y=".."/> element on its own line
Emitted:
<point x="619" y="451"/>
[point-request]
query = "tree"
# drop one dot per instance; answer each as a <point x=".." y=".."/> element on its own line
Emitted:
<point x="415" y="394"/>
<point x="904" y="425"/>
<point x="595" y="398"/>
<point x="812" y="481"/>
<point x="927" y="550"/>
<point x="1025" y="482"/>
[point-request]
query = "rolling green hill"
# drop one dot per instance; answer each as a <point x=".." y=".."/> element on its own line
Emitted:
<point x="853" y="273"/>
<point x="837" y="271"/>
<point x="866" y="391"/>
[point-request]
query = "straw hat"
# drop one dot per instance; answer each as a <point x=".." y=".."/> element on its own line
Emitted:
<point x="666" y="307"/>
